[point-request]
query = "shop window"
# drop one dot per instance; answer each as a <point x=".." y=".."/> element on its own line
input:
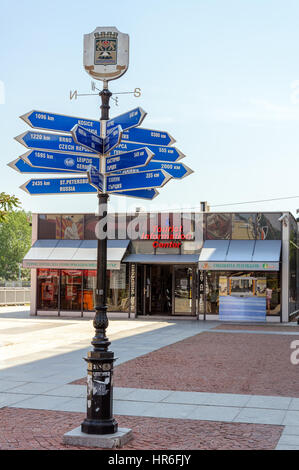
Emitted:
<point x="219" y="226"/>
<point x="244" y="285"/>
<point x="244" y="226"/>
<point x="72" y="227"/>
<point x="49" y="226"/>
<point x="118" y="289"/>
<point x="71" y="290"/>
<point x="183" y="290"/>
<point x="89" y="289"/>
<point x="47" y="289"/>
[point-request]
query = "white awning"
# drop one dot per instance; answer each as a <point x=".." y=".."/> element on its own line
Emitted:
<point x="240" y="255"/>
<point x="73" y="254"/>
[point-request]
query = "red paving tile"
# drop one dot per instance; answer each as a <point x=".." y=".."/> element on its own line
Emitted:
<point x="278" y="328"/>
<point x="26" y="429"/>
<point x="216" y="362"/>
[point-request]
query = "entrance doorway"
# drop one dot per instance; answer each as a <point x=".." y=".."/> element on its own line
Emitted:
<point x="154" y="289"/>
<point x="166" y="290"/>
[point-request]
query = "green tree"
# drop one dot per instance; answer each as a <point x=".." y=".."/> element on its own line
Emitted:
<point x="7" y="204"/>
<point x="15" y="241"/>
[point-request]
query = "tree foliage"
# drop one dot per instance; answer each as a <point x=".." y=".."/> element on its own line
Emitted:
<point x="15" y="241"/>
<point x="7" y="204"/>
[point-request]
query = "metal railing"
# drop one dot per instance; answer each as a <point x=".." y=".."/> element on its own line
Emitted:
<point x="14" y="295"/>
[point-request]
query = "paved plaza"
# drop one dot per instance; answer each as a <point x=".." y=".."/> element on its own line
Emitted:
<point x="42" y="374"/>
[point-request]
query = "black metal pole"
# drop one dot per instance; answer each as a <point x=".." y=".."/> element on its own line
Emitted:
<point x="99" y="419"/>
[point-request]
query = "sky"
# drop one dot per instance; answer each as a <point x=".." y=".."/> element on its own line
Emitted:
<point x="222" y="77"/>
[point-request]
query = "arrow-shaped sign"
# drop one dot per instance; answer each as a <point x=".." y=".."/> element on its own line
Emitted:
<point x="112" y="139"/>
<point x="87" y="139"/>
<point x="133" y="159"/>
<point x="22" y="167"/>
<point x="59" y="122"/>
<point x="176" y="170"/>
<point x="142" y="180"/>
<point x="140" y="193"/>
<point x="95" y="178"/>
<point x="147" y="136"/>
<point x="58" y="186"/>
<point x="45" y="141"/>
<point x="60" y="161"/>
<point x="127" y="120"/>
<point x="161" y="153"/>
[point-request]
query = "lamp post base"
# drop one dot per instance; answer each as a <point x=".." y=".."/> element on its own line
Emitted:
<point x="105" y="441"/>
<point x="90" y="426"/>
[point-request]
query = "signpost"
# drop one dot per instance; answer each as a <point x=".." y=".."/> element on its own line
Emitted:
<point x="176" y="170"/>
<point x="56" y="142"/>
<point x="142" y="180"/>
<point x="115" y="156"/>
<point x="127" y="120"/>
<point x="60" y="161"/>
<point x="161" y="153"/>
<point x="87" y="139"/>
<point x="58" y="186"/>
<point x="22" y="167"/>
<point x="134" y="159"/>
<point x="112" y="139"/>
<point x="58" y="122"/>
<point x="95" y="178"/>
<point x="147" y="136"/>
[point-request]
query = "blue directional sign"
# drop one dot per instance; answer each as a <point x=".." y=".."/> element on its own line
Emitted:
<point x="95" y="178"/>
<point x="22" y="167"/>
<point x="176" y="170"/>
<point x="112" y="139"/>
<point x="142" y="180"/>
<point x="133" y="159"/>
<point x="58" y="142"/>
<point x="59" y="122"/>
<point x="60" y="161"/>
<point x="161" y="153"/>
<point x="58" y="186"/>
<point x="127" y="120"/>
<point x="140" y="193"/>
<point x="87" y="139"/>
<point x="147" y="136"/>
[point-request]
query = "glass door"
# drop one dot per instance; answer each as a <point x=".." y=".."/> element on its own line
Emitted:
<point x="184" y="279"/>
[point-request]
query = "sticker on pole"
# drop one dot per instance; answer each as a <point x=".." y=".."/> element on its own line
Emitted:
<point x="106" y="53"/>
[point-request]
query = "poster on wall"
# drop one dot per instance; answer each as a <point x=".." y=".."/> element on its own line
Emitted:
<point x="261" y="287"/>
<point x="118" y="278"/>
<point x="72" y="228"/>
<point x="244" y="226"/>
<point x="48" y="291"/>
<point x="222" y="285"/>
<point x="268" y="226"/>
<point x="70" y="292"/>
<point x="219" y="226"/>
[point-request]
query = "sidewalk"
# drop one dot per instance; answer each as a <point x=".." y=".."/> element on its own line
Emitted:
<point x="178" y="384"/>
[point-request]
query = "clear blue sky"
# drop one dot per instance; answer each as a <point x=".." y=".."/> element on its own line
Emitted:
<point x="217" y="75"/>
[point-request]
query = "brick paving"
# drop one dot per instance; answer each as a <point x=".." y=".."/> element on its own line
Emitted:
<point x="253" y="364"/>
<point x="278" y="328"/>
<point x="27" y="429"/>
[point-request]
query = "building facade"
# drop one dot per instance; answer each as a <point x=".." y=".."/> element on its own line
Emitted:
<point x="225" y="266"/>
